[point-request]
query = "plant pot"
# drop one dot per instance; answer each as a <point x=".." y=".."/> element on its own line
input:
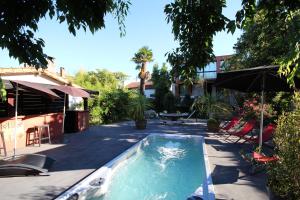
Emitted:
<point x="213" y="125"/>
<point x="141" y="124"/>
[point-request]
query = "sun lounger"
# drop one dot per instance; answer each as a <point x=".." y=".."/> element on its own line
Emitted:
<point x="246" y="129"/>
<point x="266" y="135"/>
<point x="233" y="122"/>
<point x="258" y="161"/>
<point x="260" y="158"/>
<point x="27" y="164"/>
<point x="173" y="116"/>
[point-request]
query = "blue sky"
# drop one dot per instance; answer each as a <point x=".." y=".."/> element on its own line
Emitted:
<point x="145" y="25"/>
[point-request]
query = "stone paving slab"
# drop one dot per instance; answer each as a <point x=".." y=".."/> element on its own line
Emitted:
<point x="82" y="153"/>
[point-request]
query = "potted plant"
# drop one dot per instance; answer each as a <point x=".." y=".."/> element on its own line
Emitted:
<point x="212" y="108"/>
<point x="213" y="125"/>
<point x="137" y="106"/>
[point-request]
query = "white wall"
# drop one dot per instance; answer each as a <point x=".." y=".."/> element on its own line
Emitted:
<point x="74" y="102"/>
<point x="173" y="88"/>
<point x="149" y="92"/>
<point x="31" y="78"/>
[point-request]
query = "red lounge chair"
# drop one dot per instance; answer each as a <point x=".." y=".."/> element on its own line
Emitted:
<point x="258" y="161"/>
<point x="266" y="135"/>
<point x="234" y="121"/>
<point x="247" y="128"/>
<point x="260" y="158"/>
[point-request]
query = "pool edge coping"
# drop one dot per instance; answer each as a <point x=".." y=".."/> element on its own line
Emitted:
<point x="210" y="185"/>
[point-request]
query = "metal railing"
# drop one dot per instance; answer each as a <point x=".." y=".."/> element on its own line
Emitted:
<point x="207" y="74"/>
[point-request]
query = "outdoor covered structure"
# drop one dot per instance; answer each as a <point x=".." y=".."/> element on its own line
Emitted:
<point x="258" y="79"/>
<point x="35" y="107"/>
<point x="253" y="79"/>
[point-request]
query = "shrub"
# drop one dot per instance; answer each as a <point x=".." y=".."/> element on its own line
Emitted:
<point x="110" y="106"/>
<point x="169" y="102"/>
<point x="186" y="103"/>
<point x="162" y="82"/>
<point x="282" y="101"/>
<point x="283" y="176"/>
<point x="252" y="109"/>
<point x="114" y="105"/>
<point x="213" y="125"/>
<point x="211" y="107"/>
<point x="95" y="111"/>
<point x="95" y="116"/>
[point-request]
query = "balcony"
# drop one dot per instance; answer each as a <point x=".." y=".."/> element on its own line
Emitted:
<point x="207" y="75"/>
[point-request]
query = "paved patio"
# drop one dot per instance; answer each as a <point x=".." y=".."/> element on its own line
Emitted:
<point x="82" y="153"/>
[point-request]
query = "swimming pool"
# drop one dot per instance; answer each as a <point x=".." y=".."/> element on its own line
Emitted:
<point x="159" y="167"/>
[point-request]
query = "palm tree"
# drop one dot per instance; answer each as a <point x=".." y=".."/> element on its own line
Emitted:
<point x="141" y="58"/>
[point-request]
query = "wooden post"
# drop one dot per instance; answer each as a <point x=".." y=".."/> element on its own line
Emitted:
<point x="85" y="104"/>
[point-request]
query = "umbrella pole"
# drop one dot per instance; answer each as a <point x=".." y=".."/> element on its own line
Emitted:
<point x="16" y="119"/>
<point x="262" y="112"/>
<point x="64" y="114"/>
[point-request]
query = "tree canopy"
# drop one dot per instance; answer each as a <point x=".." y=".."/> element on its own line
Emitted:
<point x="267" y="41"/>
<point x="263" y="43"/>
<point x="143" y="55"/>
<point x="19" y="23"/>
<point x="141" y="58"/>
<point x="112" y="103"/>
<point x="99" y="80"/>
<point x="161" y="82"/>
<point x="195" y="22"/>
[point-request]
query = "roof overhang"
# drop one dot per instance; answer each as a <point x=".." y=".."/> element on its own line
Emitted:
<point x="73" y="91"/>
<point x="40" y="88"/>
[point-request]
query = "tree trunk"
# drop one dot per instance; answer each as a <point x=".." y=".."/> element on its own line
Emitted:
<point x="142" y="86"/>
<point x="143" y="78"/>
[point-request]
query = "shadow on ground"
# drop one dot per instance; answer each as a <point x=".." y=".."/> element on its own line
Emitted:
<point x="231" y="172"/>
<point x="82" y="153"/>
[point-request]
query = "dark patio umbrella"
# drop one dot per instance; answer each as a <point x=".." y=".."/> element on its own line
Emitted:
<point x="258" y="79"/>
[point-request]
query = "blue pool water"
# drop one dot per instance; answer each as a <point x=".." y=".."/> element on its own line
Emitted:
<point x="161" y="169"/>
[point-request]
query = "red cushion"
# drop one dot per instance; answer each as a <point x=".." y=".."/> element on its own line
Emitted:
<point x="232" y="123"/>
<point x="247" y="128"/>
<point x="262" y="158"/>
<point x="267" y="134"/>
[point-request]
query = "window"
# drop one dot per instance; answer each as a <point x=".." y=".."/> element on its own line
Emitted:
<point x="209" y="71"/>
<point x="197" y="90"/>
<point x="183" y="90"/>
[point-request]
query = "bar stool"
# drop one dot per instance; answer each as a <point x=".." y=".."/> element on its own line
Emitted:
<point x="39" y="133"/>
<point x="3" y="143"/>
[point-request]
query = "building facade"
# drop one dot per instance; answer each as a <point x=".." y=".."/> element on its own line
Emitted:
<point x="149" y="89"/>
<point x="205" y="79"/>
